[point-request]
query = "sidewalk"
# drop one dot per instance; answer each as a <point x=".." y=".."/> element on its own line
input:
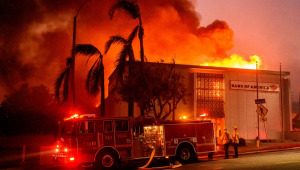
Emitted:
<point x="251" y="147"/>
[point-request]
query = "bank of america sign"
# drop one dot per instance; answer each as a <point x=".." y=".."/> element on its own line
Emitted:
<point x="247" y="85"/>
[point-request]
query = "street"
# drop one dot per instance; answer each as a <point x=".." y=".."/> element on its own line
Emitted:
<point x="288" y="159"/>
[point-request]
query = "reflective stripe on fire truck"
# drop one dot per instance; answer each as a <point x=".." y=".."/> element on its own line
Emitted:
<point x="176" y="141"/>
<point x="126" y="145"/>
<point x="169" y="146"/>
<point x="205" y="144"/>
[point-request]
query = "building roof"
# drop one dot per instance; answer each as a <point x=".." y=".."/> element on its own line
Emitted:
<point x="197" y="68"/>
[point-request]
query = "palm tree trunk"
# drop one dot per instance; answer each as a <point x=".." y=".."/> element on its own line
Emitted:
<point x="102" y="92"/>
<point x="141" y="37"/>
<point x="130" y="103"/>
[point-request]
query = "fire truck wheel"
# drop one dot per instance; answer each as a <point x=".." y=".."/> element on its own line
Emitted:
<point x="185" y="153"/>
<point x="108" y="160"/>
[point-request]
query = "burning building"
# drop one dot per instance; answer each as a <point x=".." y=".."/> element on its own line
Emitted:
<point x="227" y="97"/>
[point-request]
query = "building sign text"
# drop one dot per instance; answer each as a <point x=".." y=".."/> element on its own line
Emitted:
<point x="246" y="85"/>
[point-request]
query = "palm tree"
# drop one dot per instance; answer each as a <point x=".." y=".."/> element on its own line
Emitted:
<point x="95" y="77"/>
<point x="133" y="9"/>
<point x="124" y="54"/>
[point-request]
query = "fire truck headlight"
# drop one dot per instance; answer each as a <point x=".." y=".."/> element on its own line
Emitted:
<point x="72" y="159"/>
<point x="66" y="149"/>
<point x="56" y="150"/>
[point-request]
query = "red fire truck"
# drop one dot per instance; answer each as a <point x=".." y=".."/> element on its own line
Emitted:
<point x="105" y="142"/>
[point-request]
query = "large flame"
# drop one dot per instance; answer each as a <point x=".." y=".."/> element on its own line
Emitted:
<point x="236" y="61"/>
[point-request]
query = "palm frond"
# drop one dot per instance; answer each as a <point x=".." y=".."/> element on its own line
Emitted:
<point x="66" y="86"/>
<point x="112" y="40"/>
<point x="62" y="79"/>
<point x="94" y="78"/>
<point x="132" y="35"/>
<point x="130" y="8"/>
<point x="121" y="61"/>
<point x="87" y="49"/>
<point x="89" y="76"/>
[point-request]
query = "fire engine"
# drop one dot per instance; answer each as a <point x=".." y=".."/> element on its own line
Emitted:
<point x="106" y="142"/>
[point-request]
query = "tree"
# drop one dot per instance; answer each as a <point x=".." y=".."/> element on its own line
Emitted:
<point x="95" y="77"/>
<point x="125" y="53"/>
<point x="154" y="89"/>
<point x="29" y="110"/>
<point x="132" y="9"/>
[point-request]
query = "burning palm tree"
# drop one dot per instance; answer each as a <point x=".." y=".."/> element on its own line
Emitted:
<point x="133" y="9"/>
<point x="124" y="54"/>
<point x="95" y="77"/>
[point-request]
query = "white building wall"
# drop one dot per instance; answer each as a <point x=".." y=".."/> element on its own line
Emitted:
<point x="240" y="107"/>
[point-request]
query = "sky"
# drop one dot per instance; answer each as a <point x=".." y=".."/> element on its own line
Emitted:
<point x="36" y="37"/>
<point x="267" y="28"/>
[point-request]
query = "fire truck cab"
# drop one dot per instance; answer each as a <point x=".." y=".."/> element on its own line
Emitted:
<point x="105" y="142"/>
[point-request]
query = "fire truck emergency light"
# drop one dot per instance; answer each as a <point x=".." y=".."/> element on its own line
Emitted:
<point x="204" y="114"/>
<point x="183" y="118"/>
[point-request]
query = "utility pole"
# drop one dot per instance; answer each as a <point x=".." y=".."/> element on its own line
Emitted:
<point x="257" y="139"/>
<point x="174" y="107"/>
<point x="73" y="53"/>
<point x="281" y="105"/>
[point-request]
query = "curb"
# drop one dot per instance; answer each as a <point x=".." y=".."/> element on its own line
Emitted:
<point x="269" y="149"/>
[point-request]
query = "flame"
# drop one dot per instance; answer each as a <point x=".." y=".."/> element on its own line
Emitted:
<point x="183" y="118"/>
<point x="75" y="116"/>
<point x="204" y="114"/>
<point x="237" y="61"/>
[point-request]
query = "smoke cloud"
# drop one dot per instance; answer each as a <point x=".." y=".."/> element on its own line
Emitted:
<point x="36" y="39"/>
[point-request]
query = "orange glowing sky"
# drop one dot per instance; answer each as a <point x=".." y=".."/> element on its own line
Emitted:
<point x="36" y="36"/>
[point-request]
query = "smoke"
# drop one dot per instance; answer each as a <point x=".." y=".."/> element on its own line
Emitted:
<point x="36" y="38"/>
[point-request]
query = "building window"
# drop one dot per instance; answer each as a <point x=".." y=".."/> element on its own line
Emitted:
<point x="210" y="95"/>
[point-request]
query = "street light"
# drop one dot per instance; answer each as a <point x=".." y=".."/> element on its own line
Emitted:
<point x="73" y="52"/>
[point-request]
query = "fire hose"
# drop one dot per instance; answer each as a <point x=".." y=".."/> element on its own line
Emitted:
<point x="171" y="166"/>
<point x="147" y="164"/>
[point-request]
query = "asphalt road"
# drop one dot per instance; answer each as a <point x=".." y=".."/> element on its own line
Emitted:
<point x="287" y="159"/>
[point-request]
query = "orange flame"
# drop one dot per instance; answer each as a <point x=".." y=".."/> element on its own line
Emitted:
<point x="236" y="61"/>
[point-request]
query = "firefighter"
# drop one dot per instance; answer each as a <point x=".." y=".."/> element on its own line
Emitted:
<point x="235" y="141"/>
<point x="225" y="138"/>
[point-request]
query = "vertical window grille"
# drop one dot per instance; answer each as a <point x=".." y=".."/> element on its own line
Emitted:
<point x="210" y="94"/>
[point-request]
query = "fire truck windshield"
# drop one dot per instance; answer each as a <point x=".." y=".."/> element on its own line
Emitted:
<point x="67" y="128"/>
<point x="87" y="127"/>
